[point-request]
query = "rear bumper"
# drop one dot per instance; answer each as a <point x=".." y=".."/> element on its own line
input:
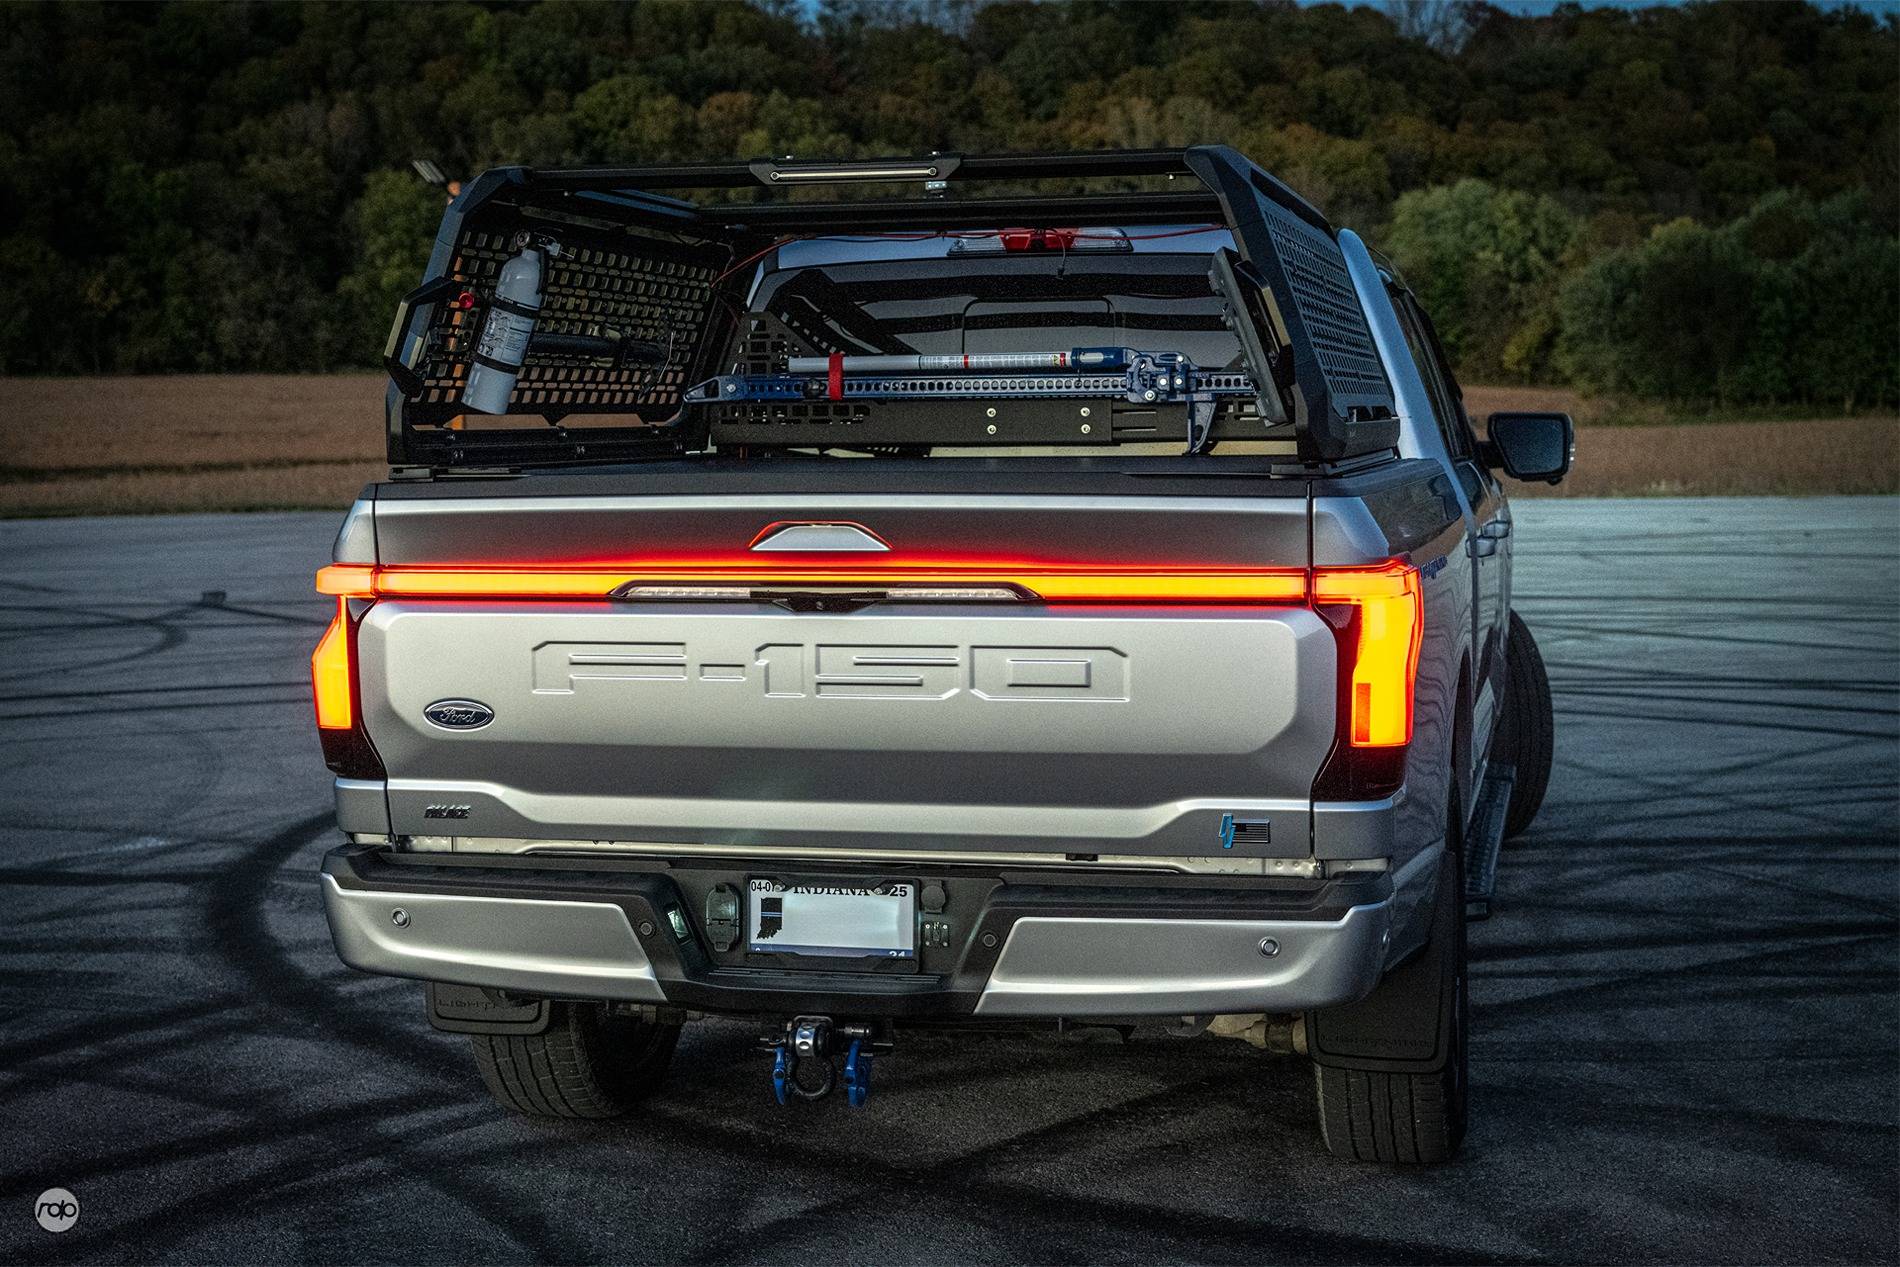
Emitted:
<point x="1027" y="943"/>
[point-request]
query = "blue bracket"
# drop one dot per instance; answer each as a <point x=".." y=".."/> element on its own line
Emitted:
<point x="781" y="1075"/>
<point x="857" y="1074"/>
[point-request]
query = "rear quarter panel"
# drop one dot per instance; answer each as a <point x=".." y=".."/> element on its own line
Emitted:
<point x="1411" y="511"/>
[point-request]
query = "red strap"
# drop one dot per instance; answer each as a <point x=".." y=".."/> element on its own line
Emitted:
<point x="835" y="384"/>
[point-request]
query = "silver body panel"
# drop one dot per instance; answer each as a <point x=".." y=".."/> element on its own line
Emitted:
<point x="1477" y="615"/>
<point x="963" y="728"/>
<point x="1183" y="967"/>
<point x="1119" y="527"/>
<point x="362" y="807"/>
<point x="566" y="949"/>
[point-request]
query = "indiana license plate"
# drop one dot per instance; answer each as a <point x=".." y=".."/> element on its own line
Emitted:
<point x="839" y="920"/>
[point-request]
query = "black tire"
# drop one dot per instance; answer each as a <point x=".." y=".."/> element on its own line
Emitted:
<point x="588" y="1063"/>
<point x="1409" y="1118"/>
<point x="1527" y="730"/>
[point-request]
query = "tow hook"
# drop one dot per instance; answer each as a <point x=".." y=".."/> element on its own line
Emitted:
<point x="808" y="1042"/>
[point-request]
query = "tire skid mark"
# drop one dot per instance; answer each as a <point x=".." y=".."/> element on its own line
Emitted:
<point x="949" y="1177"/>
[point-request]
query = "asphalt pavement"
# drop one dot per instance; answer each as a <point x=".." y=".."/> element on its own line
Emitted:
<point x="1686" y="1048"/>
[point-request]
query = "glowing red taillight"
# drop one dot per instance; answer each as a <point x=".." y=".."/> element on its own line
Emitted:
<point x="1052" y="583"/>
<point x="1377" y="614"/>
<point x="1385" y="650"/>
<point x="346" y="745"/>
<point x="331" y="673"/>
<point x="1378" y="619"/>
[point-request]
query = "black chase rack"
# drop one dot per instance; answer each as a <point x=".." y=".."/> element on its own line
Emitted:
<point x="639" y="264"/>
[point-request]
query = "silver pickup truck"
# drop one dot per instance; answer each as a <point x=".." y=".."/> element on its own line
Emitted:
<point x="956" y="590"/>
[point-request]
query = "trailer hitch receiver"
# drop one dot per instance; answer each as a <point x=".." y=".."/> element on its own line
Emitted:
<point x="803" y="1050"/>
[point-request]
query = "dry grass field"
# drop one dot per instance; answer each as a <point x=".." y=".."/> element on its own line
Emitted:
<point x="80" y="446"/>
<point x="1697" y="457"/>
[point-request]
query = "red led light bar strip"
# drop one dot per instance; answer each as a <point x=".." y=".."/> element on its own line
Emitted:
<point x="1385" y="659"/>
<point x="1049" y="583"/>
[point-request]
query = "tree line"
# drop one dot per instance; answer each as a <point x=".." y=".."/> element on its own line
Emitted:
<point x="1691" y="203"/>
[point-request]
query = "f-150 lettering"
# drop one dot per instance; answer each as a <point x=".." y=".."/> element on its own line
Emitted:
<point x="797" y="670"/>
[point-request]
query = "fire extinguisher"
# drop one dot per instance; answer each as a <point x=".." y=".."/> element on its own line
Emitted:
<point x="516" y="307"/>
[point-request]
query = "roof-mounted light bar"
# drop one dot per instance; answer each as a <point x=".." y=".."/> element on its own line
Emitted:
<point x="1085" y="165"/>
<point x="838" y="175"/>
<point x="937" y="167"/>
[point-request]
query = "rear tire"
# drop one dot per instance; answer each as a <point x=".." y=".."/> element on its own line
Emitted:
<point x="1527" y="731"/>
<point x="587" y="1063"/>
<point x="1408" y="1118"/>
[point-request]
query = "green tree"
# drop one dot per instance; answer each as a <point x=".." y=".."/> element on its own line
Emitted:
<point x="199" y="186"/>
<point x="394" y="225"/>
<point x="1486" y="263"/>
<point x="1793" y="302"/>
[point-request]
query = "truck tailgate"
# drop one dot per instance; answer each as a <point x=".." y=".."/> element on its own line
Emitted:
<point x="1116" y="726"/>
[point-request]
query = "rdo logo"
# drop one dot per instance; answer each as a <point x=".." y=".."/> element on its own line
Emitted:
<point x="57" y="1210"/>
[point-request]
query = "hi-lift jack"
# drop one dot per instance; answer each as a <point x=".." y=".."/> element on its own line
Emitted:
<point x="807" y="1041"/>
<point x="1141" y="378"/>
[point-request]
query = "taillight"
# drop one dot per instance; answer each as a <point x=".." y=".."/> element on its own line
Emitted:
<point x="1377" y="616"/>
<point x="330" y="673"/>
<point x="1376" y="613"/>
<point x="1385" y="651"/>
<point x="346" y="746"/>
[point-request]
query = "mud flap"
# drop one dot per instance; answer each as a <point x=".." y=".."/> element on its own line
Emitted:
<point x="1403" y="1026"/>
<point x="473" y="1009"/>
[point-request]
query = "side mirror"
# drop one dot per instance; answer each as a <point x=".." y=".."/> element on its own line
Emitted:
<point x="1530" y="446"/>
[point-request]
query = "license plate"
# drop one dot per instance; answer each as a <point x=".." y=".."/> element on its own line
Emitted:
<point x="838" y="920"/>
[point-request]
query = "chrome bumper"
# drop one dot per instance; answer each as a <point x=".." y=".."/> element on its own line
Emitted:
<point x="1167" y="967"/>
<point x="564" y="949"/>
<point x="1048" y="966"/>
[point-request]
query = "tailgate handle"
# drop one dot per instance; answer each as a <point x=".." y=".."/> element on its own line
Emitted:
<point x="829" y="538"/>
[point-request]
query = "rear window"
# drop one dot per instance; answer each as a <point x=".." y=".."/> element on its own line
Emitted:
<point x="1021" y="302"/>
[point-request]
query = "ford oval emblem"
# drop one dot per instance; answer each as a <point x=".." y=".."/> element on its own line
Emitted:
<point x="459" y="714"/>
